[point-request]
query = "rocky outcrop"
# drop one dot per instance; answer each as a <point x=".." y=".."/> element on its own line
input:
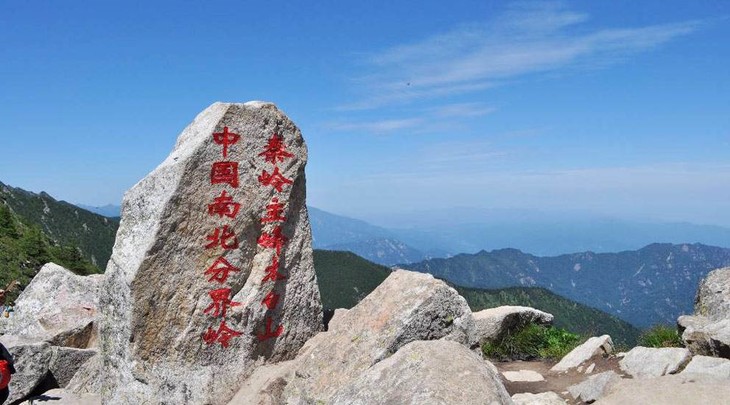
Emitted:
<point x="66" y="361"/>
<point x="31" y="359"/>
<point x="494" y="323"/>
<point x="594" y="387"/>
<point x="406" y="307"/>
<point x="212" y="271"/>
<point x="708" y="366"/>
<point x="595" y="346"/>
<point x="668" y="390"/>
<point x="433" y="372"/>
<point x="707" y="332"/>
<point x="647" y="362"/>
<point x="58" y="307"/>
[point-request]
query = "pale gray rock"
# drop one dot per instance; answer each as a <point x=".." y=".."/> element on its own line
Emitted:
<point x="708" y="331"/>
<point x="58" y="306"/>
<point x="713" y="295"/>
<point x="594" y="387"/>
<point x="710" y="366"/>
<point x="647" y="362"/>
<point x="337" y="317"/>
<point x="31" y="359"/>
<point x="523" y="376"/>
<point x="266" y="385"/>
<point x="87" y="379"/>
<point x="590" y="368"/>
<point x="703" y="336"/>
<point x="426" y="372"/>
<point x="66" y="361"/>
<point x="494" y="323"/>
<point x="543" y="398"/>
<point x="667" y="390"/>
<point x="406" y="307"/>
<point x="156" y="293"/>
<point x="595" y="346"/>
<point x="60" y="396"/>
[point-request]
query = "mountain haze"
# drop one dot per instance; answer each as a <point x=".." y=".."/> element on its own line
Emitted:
<point x="651" y="285"/>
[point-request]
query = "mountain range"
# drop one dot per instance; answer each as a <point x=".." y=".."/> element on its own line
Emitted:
<point x="541" y="234"/>
<point x="345" y="278"/>
<point x="652" y="285"/>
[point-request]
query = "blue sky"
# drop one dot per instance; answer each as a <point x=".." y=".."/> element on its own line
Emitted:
<point x="613" y="108"/>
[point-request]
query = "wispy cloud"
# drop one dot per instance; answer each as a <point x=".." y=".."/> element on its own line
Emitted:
<point x="527" y="39"/>
<point x="375" y="127"/>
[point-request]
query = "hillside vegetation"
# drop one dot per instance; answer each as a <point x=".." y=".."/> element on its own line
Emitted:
<point x="569" y="315"/>
<point x="652" y="285"/>
<point x="65" y="224"/>
<point x="345" y="278"/>
<point x="24" y="249"/>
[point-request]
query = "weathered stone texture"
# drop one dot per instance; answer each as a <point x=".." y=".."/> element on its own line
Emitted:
<point x="155" y="294"/>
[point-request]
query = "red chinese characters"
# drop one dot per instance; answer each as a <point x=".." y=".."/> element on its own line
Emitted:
<point x="275" y="152"/>
<point x="223" y="237"/>
<point x="223" y="335"/>
<point x="221" y="302"/>
<point x="224" y="205"/>
<point x="275" y="179"/>
<point x="220" y="269"/>
<point x="224" y="173"/>
<point x="225" y="139"/>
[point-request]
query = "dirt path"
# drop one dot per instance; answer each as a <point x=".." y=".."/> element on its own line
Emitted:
<point x="556" y="382"/>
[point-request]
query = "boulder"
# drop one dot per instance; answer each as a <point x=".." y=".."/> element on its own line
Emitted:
<point x="406" y="307"/>
<point x="594" y="387"/>
<point x="58" y="306"/>
<point x="66" y="361"/>
<point x="713" y="295"/>
<point x="666" y="390"/>
<point x="595" y="346"/>
<point x="494" y="323"/>
<point x="211" y="274"/>
<point x="646" y="362"/>
<point x="543" y="398"/>
<point x="703" y="336"/>
<point x="60" y="396"/>
<point x="708" y="366"/>
<point x="708" y="331"/>
<point x="31" y="359"/>
<point x="433" y="372"/>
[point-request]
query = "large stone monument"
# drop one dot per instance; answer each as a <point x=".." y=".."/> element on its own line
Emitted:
<point x="212" y="272"/>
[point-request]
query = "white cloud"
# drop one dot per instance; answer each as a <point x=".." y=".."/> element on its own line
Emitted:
<point x="527" y="39"/>
<point x="376" y="127"/>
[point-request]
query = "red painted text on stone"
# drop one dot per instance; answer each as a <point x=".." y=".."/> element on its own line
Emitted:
<point x="275" y="150"/>
<point x="224" y="205"/>
<point x="225" y="139"/>
<point x="220" y="269"/>
<point x="224" y="173"/>
<point x="275" y="179"/>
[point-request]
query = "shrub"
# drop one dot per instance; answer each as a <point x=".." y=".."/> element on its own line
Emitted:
<point x="660" y="336"/>
<point x="532" y="341"/>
